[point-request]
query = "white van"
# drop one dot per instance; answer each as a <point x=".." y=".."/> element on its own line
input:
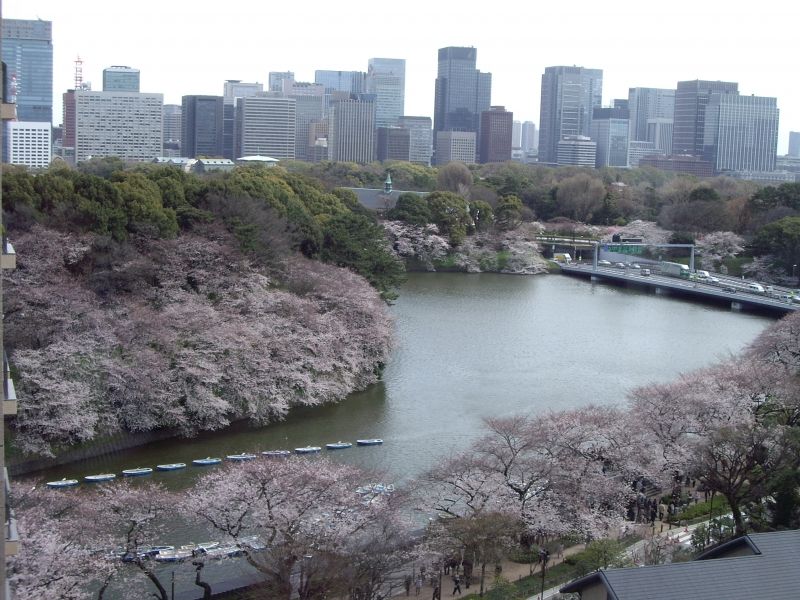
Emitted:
<point x="755" y="288"/>
<point x="702" y="274"/>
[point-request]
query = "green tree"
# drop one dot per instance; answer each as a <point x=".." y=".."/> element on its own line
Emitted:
<point x="481" y="214"/>
<point x="451" y="214"/>
<point x="141" y="199"/>
<point x="781" y="239"/>
<point x="411" y="208"/>
<point x="354" y="241"/>
<point x="508" y="213"/>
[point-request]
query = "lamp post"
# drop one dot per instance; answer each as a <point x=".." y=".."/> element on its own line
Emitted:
<point x="544" y="555"/>
<point x="794" y="273"/>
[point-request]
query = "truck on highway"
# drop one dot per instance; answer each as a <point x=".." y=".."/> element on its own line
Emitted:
<point x="674" y="270"/>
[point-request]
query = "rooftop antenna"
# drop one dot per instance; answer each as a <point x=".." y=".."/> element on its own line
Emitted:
<point x="78" y="73"/>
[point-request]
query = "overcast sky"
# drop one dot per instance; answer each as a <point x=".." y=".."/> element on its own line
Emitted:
<point x="192" y="47"/>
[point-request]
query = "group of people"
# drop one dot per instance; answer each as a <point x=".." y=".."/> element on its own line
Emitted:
<point x="460" y="573"/>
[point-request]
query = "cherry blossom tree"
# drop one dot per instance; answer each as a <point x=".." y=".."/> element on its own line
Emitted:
<point x="305" y="512"/>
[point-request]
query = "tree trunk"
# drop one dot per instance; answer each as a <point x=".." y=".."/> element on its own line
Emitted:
<point x="162" y="592"/>
<point x="206" y="587"/>
<point x="737" y="516"/>
<point x="483" y="573"/>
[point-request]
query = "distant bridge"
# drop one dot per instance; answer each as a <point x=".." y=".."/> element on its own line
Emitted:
<point x="721" y="293"/>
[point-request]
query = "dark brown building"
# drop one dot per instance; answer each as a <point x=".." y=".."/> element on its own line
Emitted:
<point x="496" y="135"/>
<point x="690" y="165"/>
<point x="394" y="143"/>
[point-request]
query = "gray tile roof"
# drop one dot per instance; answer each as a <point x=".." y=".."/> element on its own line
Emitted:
<point x="773" y="572"/>
<point x="377" y="199"/>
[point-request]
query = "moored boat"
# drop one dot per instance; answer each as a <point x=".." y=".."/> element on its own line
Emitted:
<point x="171" y="466"/>
<point x="338" y="445"/>
<point x="62" y="483"/>
<point x="173" y="555"/>
<point x="275" y="453"/>
<point x="202" y="462"/>
<point x="137" y="472"/>
<point x="370" y="442"/>
<point x="307" y="450"/>
<point x="240" y="457"/>
<point x="100" y="478"/>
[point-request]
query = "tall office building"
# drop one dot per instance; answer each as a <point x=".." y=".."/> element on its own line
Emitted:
<point x="569" y="94"/>
<point x="660" y="132"/>
<point x="691" y="99"/>
<point x="27" y="51"/>
<point x="123" y="124"/>
<point x="610" y="133"/>
<point x="794" y="144"/>
<point x="741" y="132"/>
<point x="529" y="137"/>
<point x="393" y="143"/>
<point x="646" y="104"/>
<point x="265" y="125"/>
<point x="171" y="135"/>
<point x="201" y="126"/>
<point x="276" y="79"/>
<point x="462" y="92"/>
<point x="516" y="135"/>
<point x="27" y="143"/>
<point x="351" y="134"/>
<point x="420" y="141"/>
<point x="455" y="146"/>
<point x="308" y="109"/>
<point x="233" y="89"/>
<point x="386" y="78"/>
<point x="351" y="82"/>
<point x="120" y="79"/>
<point x="496" y="133"/>
<point x="576" y="151"/>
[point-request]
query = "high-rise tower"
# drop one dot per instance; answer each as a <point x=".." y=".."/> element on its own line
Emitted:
<point x="569" y="94"/>
<point x="691" y="99"/>
<point x="386" y="78"/>
<point x="27" y="50"/>
<point x="462" y="91"/>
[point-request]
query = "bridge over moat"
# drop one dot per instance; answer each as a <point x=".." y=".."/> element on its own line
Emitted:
<point x="721" y="292"/>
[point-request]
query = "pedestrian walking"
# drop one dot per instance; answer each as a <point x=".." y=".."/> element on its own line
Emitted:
<point x="418" y="585"/>
<point x="407" y="585"/>
<point x="437" y="592"/>
<point x="456" y="585"/>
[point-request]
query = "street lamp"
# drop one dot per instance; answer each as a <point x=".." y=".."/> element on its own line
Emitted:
<point x="794" y="273"/>
<point x="544" y="555"/>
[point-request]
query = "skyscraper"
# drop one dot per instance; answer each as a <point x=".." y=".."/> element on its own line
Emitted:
<point x="27" y="50"/>
<point x="172" y="130"/>
<point x="455" y="146"/>
<point x="569" y="94"/>
<point x="741" y="132"/>
<point x="276" y="79"/>
<point x="201" y="126"/>
<point x="393" y="143"/>
<point x="351" y="135"/>
<point x="529" y="142"/>
<point x="120" y="79"/>
<point x="265" y="125"/>
<point x="462" y="91"/>
<point x="496" y="133"/>
<point x="691" y="99"/>
<point x="233" y="89"/>
<point x="610" y="133"/>
<point x="308" y="109"/>
<point x="386" y="78"/>
<point x="351" y="82"/>
<point x="420" y="141"/>
<point x="646" y="104"/>
<point x="123" y="124"/>
<point x="794" y="144"/>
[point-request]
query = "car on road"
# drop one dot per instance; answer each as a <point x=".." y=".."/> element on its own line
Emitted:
<point x="603" y="263"/>
<point x="712" y="279"/>
<point x="635" y="266"/>
<point x="620" y="265"/>
<point x="645" y="272"/>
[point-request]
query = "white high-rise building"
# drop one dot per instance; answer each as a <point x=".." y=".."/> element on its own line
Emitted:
<point x="530" y="141"/>
<point x="386" y="78"/>
<point x="420" y="138"/>
<point x="455" y="146"/>
<point x="351" y="135"/>
<point x="124" y="124"/>
<point x="265" y="125"/>
<point x="28" y="143"/>
<point x="516" y="135"/>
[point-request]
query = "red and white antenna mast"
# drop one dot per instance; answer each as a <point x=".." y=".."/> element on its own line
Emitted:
<point x="78" y="73"/>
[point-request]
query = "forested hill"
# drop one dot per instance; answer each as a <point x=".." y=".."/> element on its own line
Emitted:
<point x="155" y="299"/>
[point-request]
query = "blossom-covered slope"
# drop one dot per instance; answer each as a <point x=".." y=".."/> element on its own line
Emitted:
<point x="183" y="333"/>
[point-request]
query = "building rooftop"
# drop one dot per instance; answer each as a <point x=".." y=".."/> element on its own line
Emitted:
<point x="759" y="565"/>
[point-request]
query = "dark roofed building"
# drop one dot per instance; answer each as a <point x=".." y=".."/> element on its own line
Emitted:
<point x="759" y="565"/>
<point x="380" y="200"/>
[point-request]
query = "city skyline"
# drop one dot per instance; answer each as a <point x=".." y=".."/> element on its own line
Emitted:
<point x="637" y="47"/>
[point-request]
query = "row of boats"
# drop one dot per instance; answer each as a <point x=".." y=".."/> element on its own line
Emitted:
<point x="209" y="461"/>
<point x="205" y="549"/>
